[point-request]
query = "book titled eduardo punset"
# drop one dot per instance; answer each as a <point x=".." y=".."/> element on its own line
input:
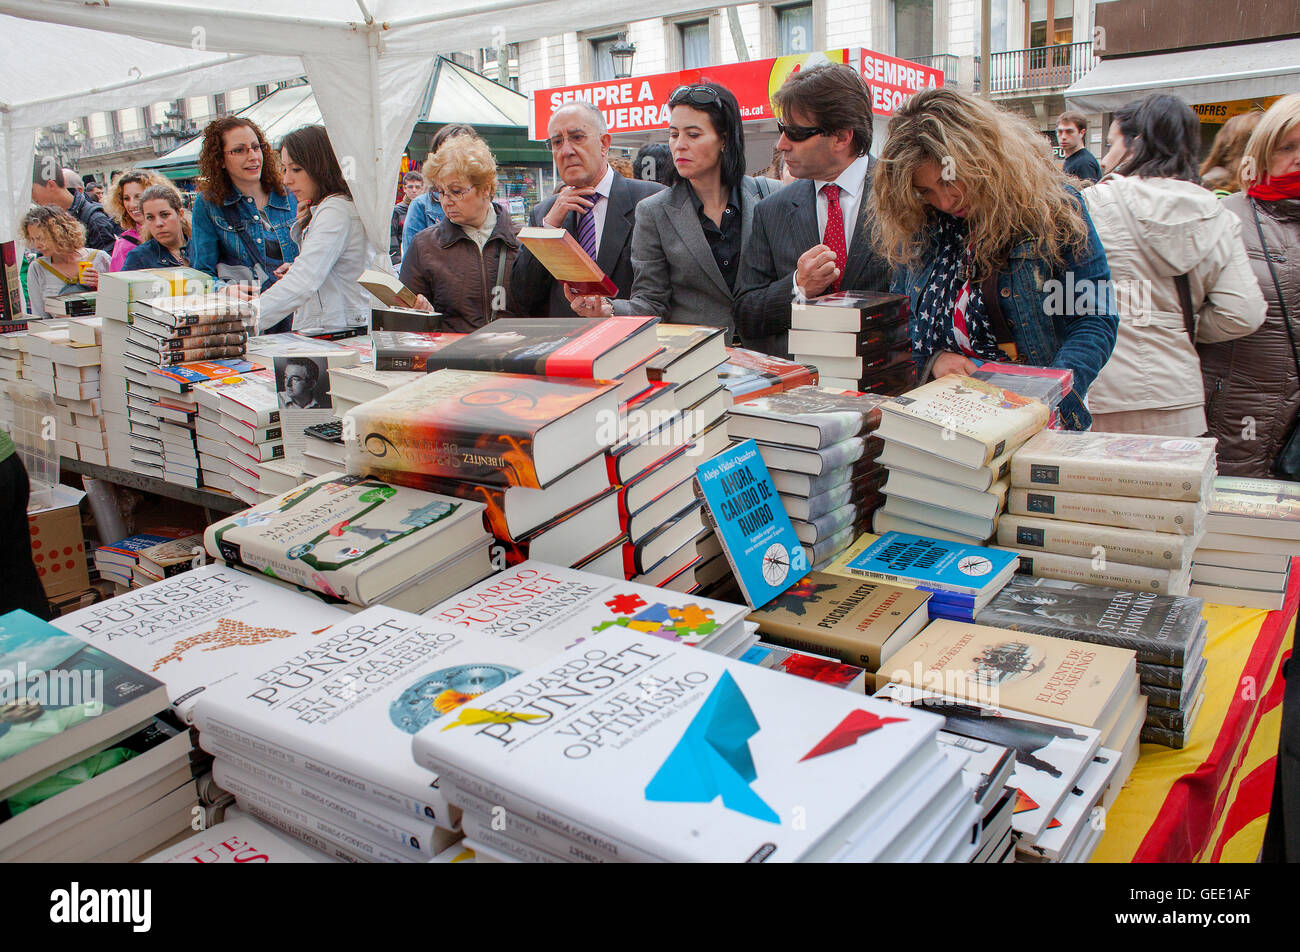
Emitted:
<point x="716" y="760"/>
<point x="753" y="527"/>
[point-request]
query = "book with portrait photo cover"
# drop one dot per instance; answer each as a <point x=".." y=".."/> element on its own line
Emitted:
<point x="562" y="255"/>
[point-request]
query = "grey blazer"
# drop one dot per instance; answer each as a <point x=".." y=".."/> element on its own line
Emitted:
<point x="675" y="276"/>
<point x="785" y="226"/>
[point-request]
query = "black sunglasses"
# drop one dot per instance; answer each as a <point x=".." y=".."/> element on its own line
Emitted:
<point x="799" y="133"/>
<point x="697" y="95"/>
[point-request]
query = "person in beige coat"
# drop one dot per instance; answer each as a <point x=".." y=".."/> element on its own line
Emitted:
<point x="1156" y="224"/>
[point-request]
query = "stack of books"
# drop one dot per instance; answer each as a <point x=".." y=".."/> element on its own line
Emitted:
<point x="1109" y="508"/>
<point x="947" y="446"/>
<point x="748" y="374"/>
<point x="165" y="559"/>
<point x="65" y="363"/>
<point x="117" y="561"/>
<point x="117" y="295"/>
<point x="857" y="621"/>
<point x="238" y="432"/>
<point x="352" y="386"/>
<point x="857" y="340"/>
<point x="711" y="760"/>
<point x="689" y="361"/>
<point x="407" y="350"/>
<point x="816" y="439"/>
<point x="1047" y="385"/>
<point x="90" y="769"/>
<point x="960" y="578"/>
<point x="1252" y="531"/>
<point x="360" y="541"/>
<point x="180" y="330"/>
<point x="1166" y="632"/>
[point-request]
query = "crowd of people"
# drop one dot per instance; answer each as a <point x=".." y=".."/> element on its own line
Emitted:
<point x="1165" y="284"/>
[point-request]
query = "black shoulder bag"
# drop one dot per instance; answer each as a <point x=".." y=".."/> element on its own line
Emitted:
<point x="1287" y="463"/>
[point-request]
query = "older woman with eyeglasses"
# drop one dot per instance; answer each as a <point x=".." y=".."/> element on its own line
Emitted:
<point x="460" y="267"/>
<point x="689" y="240"/>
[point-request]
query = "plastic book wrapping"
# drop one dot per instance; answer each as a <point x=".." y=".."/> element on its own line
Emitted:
<point x="551" y="346"/>
<point x="1117" y="464"/>
<point x="408" y="350"/>
<point x="849" y="619"/>
<point x="750" y="374"/>
<point x="463" y="424"/>
<point x="1256" y="498"/>
<point x="1088" y="540"/>
<point x="705" y="727"/>
<point x="1096" y="571"/>
<point x="1129" y="512"/>
<point x="994" y="417"/>
<point x="836" y="416"/>
<point x="1158" y="628"/>
<point x="197" y="628"/>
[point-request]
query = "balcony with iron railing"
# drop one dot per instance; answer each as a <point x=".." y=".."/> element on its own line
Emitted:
<point x="1040" y="68"/>
<point x="115" y="142"/>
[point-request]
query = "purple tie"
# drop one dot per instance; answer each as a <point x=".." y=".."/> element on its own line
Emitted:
<point x="587" y="228"/>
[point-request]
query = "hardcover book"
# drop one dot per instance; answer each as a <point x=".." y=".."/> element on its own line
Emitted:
<point x="197" y="628"/>
<point x="689" y="351"/>
<point x="407" y="350"/>
<point x="849" y="311"/>
<point x="1268" y="508"/>
<point x="496" y="429"/>
<point x="1071" y="568"/>
<point x="602" y="349"/>
<point x="1048" y="385"/>
<point x="1128" y="512"/>
<point x="859" y="622"/>
<point x="805" y="416"/>
<point x="387" y="288"/>
<point x="239" y="838"/>
<point x="1159" y="628"/>
<point x="350" y="537"/>
<point x="194" y="309"/>
<point x="1018" y="671"/>
<point x="1117" y="464"/>
<point x="62" y="699"/>
<point x="705" y="728"/>
<point x="1165" y="550"/>
<point x="173" y="557"/>
<point x="534" y="600"/>
<point x="962" y="419"/>
<point x="755" y="531"/>
<point x="562" y="255"/>
<point x="747" y="374"/>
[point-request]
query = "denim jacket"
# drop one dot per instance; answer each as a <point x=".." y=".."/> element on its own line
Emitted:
<point x="215" y="242"/>
<point x="153" y="255"/>
<point x="425" y="212"/>
<point x="1062" y="317"/>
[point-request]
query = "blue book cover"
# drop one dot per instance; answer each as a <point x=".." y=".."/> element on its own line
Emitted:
<point x="753" y="527"/>
<point x="935" y="564"/>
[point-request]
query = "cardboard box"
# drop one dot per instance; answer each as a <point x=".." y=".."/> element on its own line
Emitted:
<point x="58" y="546"/>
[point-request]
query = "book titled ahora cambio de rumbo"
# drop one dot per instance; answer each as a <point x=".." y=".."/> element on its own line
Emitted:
<point x="195" y="629"/>
<point x="493" y="428"/>
<point x="755" y="532"/>
<point x="1161" y="629"/>
<point x="805" y="416"/>
<point x="961" y="419"/>
<point x="1018" y="671"/>
<point x="342" y="709"/>
<point x="860" y="622"/>
<point x="642" y="749"/>
<point x="1117" y="464"/>
<point x="601" y="349"/>
<point x="351" y="537"/>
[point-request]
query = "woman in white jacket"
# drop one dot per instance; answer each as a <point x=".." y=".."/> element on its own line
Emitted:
<point x="1157" y="224"/>
<point x="319" y="289"/>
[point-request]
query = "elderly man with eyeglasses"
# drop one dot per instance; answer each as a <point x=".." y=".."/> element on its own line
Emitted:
<point x="596" y="205"/>
<point x="813" y="237"/>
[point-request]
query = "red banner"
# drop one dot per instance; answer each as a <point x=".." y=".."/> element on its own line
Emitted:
<point x="639" y="104"/>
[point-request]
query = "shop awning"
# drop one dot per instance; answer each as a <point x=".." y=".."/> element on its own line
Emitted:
<point x="1216" y="74"/>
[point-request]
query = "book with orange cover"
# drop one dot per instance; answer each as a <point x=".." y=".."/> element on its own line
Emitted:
<point x="491" y="428"/>
<point x="562" y="255"/>
<point x="748" y="374"/>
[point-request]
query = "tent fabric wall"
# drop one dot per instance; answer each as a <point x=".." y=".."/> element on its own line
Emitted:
<point x="369" y="62"/>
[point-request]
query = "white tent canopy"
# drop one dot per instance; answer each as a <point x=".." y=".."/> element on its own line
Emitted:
<point x="368" y="62"/>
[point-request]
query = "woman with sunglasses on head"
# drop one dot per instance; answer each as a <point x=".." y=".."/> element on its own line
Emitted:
<point x="124" y="205"/>
<point x="460" y="267"/>
<point x="318" y="294"/>
<point x="689" y="240"/>
<point x="243" y="214"/>
<point x="994" y="249"/>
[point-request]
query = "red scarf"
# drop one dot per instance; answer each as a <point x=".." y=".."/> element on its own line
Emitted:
<point x="1276" y="189"/>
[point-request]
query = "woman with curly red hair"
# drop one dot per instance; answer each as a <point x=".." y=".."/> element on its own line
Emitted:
<point x="243" y="213"/>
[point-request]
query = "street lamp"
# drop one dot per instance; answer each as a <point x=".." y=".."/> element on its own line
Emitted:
<point x="621" y="53"/>
<point x="167" y="135"/>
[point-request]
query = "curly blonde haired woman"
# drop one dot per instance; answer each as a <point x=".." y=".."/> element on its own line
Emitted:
<point x="60" y="240"/>
<point x="124" y="205"/>
<point x="995" y="251"/>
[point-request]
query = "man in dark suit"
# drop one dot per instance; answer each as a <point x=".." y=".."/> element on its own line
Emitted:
<point x="813" y="236"/>
<point x="596" y="205"/>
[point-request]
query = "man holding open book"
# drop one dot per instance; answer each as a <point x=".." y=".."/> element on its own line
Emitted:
<point x="596" y="205"/>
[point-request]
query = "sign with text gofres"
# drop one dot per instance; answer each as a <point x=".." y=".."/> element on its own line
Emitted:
<point x="640" y="104"/>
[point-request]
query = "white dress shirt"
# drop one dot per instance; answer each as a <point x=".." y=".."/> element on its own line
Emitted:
<point x="852" y="183"/>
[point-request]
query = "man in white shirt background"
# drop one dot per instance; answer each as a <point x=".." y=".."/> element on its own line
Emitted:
<point x="814" y="235"/>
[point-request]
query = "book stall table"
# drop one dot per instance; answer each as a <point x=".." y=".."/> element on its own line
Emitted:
<point x="1209" y="801"/>
<point x="209" y="499"/>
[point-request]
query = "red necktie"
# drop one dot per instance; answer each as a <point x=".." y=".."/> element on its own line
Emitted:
<point x="834" y="237"/>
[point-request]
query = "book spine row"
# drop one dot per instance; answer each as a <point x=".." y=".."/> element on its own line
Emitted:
<point x="1153" y="515"/>
<point x="1111" y="477"/>
<point x="1161" y="550"/>
<point x="1160" y="674"/>
<point x="523" y="850"/>
<point x="1134" y="578"/>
